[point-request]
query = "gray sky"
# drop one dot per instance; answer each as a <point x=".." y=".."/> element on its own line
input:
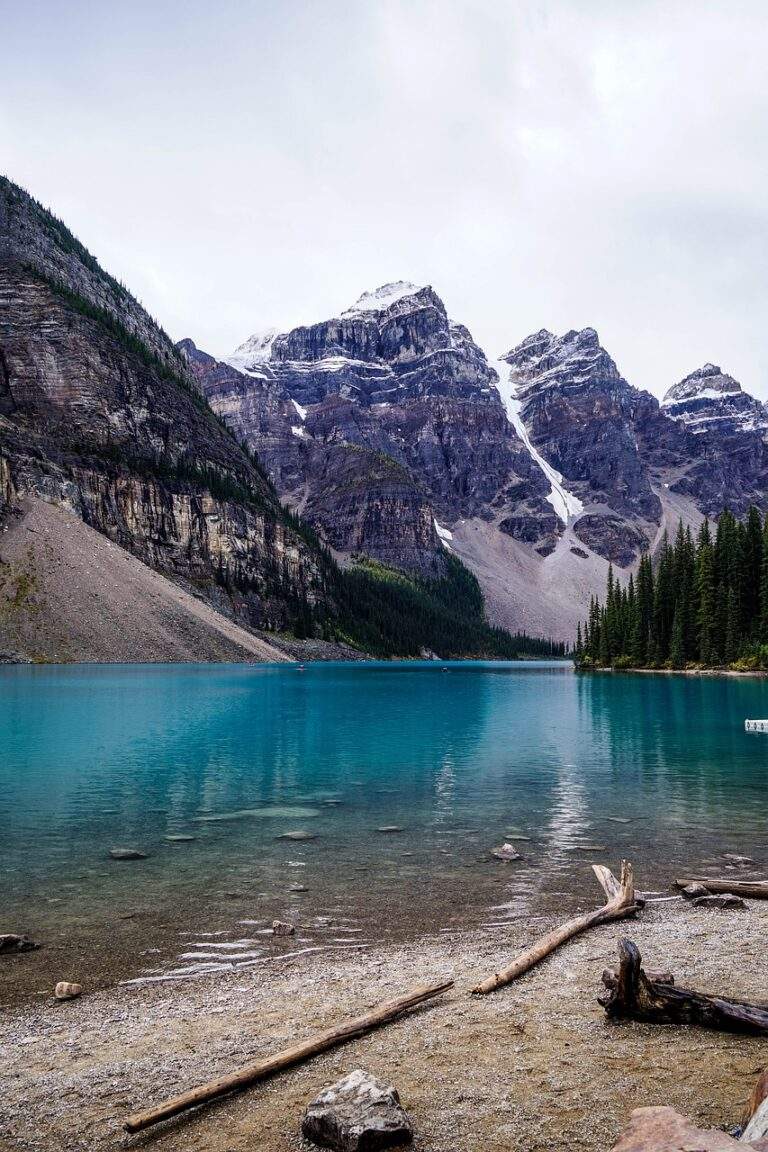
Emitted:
<point x="542" y="163"/>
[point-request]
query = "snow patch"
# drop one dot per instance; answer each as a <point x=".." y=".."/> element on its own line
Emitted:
<point x="256" y="350"/>
<point x="382" y="298"/>
<point x="300" y="432"/>
<point x="566" y="505"/>
<point x="444" y="534"/>
<point x="300" y="409"/>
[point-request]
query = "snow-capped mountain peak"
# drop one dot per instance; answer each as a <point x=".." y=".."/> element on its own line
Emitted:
<point x="709" y="399"/>
<point x="254" y="353"/>
<point x="382" y="298"/>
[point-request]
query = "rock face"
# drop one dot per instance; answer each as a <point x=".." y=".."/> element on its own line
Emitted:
<point x="580" y="414"/>
<point x="100" y="414"/>
<point x="358" y="1114"/>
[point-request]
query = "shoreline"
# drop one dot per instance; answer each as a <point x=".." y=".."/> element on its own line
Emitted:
<point x="758" y="674"/>
<point x="534" y="1065"/>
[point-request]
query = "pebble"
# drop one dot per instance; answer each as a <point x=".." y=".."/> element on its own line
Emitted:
<point x="66" y="991"/>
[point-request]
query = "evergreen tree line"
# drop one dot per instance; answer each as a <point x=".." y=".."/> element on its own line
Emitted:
<point x="704" y="603"/>
<point x="390" y="613"/>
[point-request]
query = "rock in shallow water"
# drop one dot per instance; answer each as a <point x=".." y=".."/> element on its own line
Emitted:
<point x="127" y="854"/>
<point x="298" y="836"/>
<point x="357" y="1114"/>
<point x="506" y="852"/>
<point x="282" y="928"/>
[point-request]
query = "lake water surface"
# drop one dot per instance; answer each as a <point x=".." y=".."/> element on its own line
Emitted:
<point x="458" y="757"/>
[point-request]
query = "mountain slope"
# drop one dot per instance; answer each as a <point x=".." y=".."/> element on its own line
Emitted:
<point x="68" y="593"/>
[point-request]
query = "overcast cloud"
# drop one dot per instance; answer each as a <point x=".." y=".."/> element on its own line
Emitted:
<point x="555" y="164"/>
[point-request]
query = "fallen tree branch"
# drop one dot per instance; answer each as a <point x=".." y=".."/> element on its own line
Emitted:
<point x="635" y="996"/>
<point x="752" y="889"/>
<point x="620" y="903"/>
<point x="261" y="1069"/>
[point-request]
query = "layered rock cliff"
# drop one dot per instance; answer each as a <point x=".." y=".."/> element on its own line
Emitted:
<point x="99" y="413"/>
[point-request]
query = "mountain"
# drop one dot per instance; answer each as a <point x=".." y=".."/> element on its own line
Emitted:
<point x="331" y="480"/>
<point x="106" y="442"/>
<point x="99" y="414"/>
<point x="710" y="401"/>
<point x="390" y="430"/>
<point x="378" y="426"/>
<point x="726" y="457"/>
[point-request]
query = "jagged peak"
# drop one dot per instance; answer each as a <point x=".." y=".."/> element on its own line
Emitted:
<point x="707" y="383"/>
<point x="383" y="297"/>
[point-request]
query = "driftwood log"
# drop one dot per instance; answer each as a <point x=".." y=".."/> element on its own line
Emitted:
<point x="635" y="996"/>
<point x="752" y="889"/>
<point x="621" y="902"/>
<point x="261" y="1069"/>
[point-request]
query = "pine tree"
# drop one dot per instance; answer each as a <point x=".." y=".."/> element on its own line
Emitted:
<point x="705" y="594"/>
<point x="677" y="644"/>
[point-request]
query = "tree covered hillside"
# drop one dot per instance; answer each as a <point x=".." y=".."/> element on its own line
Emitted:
<point x="704" y="603"/>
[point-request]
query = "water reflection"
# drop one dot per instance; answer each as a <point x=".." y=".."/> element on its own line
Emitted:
<point x="239" y="756"/>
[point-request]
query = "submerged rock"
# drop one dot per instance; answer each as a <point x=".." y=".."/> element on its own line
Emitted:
<point x="506" y="852"/>
<point x="357" y="1114"/>
<point x="298" y="836"/>
<point x="12" y="942"/>
<point x="127" y="854"/>
<point x="283" y="928"/>
<point x="298" y="888"/>
<point x="179" y="838"/>
<point x="720" y="900"/>
<point x="66" y="991"/>
<point x="389" y="828"/>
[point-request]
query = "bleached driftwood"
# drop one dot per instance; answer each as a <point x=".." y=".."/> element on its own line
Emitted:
<point x="620" y="903"/>
<point x="287" y="1058"/>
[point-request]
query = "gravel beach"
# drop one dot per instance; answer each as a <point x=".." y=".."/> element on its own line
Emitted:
<point x="535" y="1066"/>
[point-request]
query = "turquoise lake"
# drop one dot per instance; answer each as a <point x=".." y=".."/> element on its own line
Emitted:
<point x="458" y="757"/>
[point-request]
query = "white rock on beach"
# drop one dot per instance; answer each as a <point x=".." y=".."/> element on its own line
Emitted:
<point x="357" y="1113"/>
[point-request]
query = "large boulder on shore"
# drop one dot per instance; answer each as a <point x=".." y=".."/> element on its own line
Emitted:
<point x="665" y="1130"/>
<point x="357" y="1114"/>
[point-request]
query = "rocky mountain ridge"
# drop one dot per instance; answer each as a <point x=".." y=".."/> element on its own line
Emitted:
<point x="549" y="446"/>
